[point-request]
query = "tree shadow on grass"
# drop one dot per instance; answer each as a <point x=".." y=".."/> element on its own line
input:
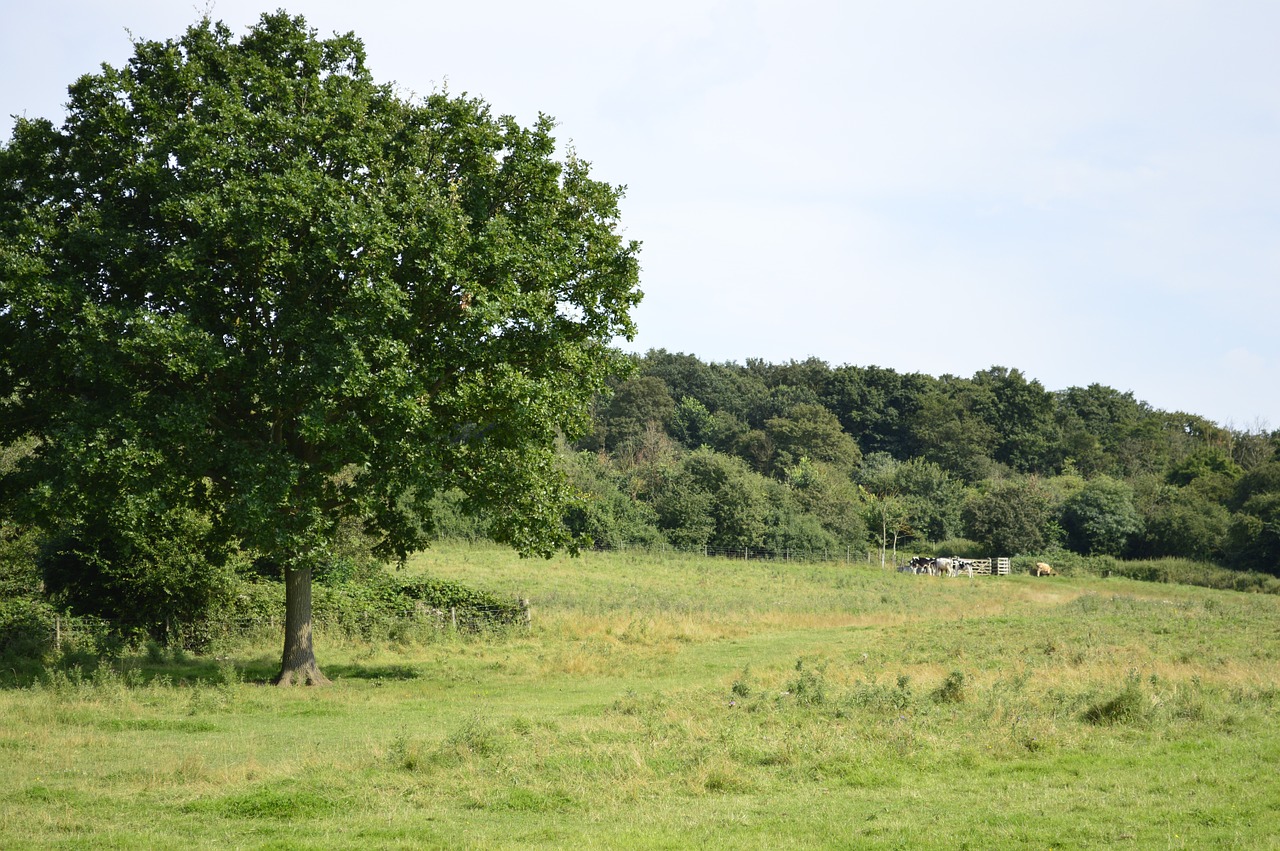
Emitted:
<point x="373" y="672"/>
<point x="264" y="670"/>
<point x="175" y="668"/>
<point x="131" y="669"/>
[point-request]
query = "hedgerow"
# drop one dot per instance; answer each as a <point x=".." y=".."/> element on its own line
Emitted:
<point x="377" y="607"/>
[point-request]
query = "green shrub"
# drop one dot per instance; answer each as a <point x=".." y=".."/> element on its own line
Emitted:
<point x="809" y="688"/>
<point x="952" y="689"/>
<point x="18" y="572"/>
<point x="474" y="608"/>
<point x="960" y="548"/>
<point x="603" y="513"/>
<point x="367" y="610"/>
<point x="380" y="607"/>
<point x="791" y="532"/>
<point x="146" y="582"/>
<point x="26" y="627"/>
<point x="452" y="520"/>
<point x="253" y="604"/>
<point x="34" y="634"/>
<point x="1101" y="518"/>
<point x="1127" y="707"/>
<point x="1203" y="574"/>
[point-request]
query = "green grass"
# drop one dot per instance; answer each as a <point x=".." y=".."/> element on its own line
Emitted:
<point x="680" y="703"/>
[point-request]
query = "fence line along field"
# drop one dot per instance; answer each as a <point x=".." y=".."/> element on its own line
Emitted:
<point x="678" y="701"/>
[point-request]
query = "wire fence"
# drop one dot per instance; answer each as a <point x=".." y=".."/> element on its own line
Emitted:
<point x="472" y="618"/>
<point x="95" y="636"/>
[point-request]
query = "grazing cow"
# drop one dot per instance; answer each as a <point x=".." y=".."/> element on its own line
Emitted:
<point x="1042" y="569"/>
<point x="919" y="564"/>
<point x="946" y="566"/>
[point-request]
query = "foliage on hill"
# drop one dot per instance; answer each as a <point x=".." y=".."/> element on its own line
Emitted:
<point x="770" y="455"/>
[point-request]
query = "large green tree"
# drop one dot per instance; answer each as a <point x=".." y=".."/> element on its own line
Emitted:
<point x="879" y="407"/>
<point x="1106" y="431"/>
<point x="1181" y="522"/>
<point x="811" y="431"/>
<point x="934" y="498"/>
<point x="1101" y="517"/>
<point x="246" y="279"/>
<point x="1022" y="414"/>
<point x="1254" y="535"/>
<point x="952" y="429"/>
<point x="1011" y="517"/>
<point x="637" y="405"/>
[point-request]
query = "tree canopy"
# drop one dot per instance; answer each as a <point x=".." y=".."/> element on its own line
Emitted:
<point x="245" y="279"/>
<point x="995" y="460"/>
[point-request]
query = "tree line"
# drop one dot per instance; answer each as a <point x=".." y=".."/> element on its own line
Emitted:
<point x="803" y="455"/>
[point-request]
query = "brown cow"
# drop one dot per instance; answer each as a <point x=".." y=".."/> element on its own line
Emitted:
<point x="1042" y="569"/>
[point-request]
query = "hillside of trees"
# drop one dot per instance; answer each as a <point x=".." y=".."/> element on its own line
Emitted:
<point x="806" y="456"/>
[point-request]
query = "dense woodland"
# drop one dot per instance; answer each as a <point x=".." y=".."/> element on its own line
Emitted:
<point x="805" y="456"/>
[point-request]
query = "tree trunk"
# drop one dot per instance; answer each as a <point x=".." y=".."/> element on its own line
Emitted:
<point x="298" y="665"/>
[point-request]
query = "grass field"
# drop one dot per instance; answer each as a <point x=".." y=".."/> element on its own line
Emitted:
<point x="688" y="703"/>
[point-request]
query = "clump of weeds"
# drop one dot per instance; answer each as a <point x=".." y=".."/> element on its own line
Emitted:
<point x="1127" y="707"/>
<point x="952" y="690"/>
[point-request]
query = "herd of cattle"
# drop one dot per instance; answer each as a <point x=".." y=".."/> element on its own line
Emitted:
<point x="963" y="566"/>
<point x="938" y="566"/>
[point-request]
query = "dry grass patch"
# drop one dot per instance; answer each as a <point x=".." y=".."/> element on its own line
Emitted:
<point x="810" y="706"/>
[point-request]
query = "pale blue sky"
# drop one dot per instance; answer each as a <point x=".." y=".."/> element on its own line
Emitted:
<point x="1087" y="191"/>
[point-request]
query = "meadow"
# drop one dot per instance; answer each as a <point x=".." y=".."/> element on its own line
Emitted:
<point x="675" y="702"/>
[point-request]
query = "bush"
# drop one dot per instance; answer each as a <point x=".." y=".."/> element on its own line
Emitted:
<point x="961" y="548"/>
<point x="367" y="610"/>
<point x="26" y="627"/>
<point x="1182" y="523"/>
<point x="19" y="575"/>
<point x="809" y="688"/>
<point x="1127" y="707"/>
<point x="952" y="689"/>
<point x="253" y="604"/>
<point x="1202" y="574"/>
<point x="710" y="499"/>
<point x="602" y="513"/>
<point x="1012" y="518"/>
<point x="1101" y="518"/>
<point x="35" y="635"/>
<point x="474" y="608"/>
<point x="151" y="582"/>
<point x="451" y="519"/>
<point x="790" y="531"/>
<point x="378" y="607"/>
